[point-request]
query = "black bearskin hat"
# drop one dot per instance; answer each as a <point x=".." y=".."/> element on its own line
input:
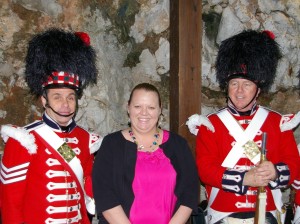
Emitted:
<point x="57" y="58"/>
<point x="251" y="55"/>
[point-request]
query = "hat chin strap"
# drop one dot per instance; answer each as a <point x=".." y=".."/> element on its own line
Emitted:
<point x="63" y="115"/>
<point x="239" y="109"/>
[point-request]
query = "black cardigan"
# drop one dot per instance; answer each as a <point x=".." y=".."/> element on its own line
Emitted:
<point x="113" y="173"/>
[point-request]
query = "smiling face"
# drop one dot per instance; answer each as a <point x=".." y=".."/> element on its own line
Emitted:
<point x="242" y="93"/>
<point x="63" y="102"/>
<point x="144" y="110"/>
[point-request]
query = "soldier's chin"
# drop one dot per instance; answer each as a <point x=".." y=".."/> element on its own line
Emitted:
<point x="66" y="114"/>
<point x="241" y="108"/>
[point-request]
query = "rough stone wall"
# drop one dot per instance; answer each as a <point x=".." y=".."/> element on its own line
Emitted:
<point x="131" y="41"/>
<point x="224" y="18"/>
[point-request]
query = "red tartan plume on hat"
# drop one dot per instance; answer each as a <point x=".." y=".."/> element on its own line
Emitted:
<point x="59" y="52"/>
<point x="251" y="55"/>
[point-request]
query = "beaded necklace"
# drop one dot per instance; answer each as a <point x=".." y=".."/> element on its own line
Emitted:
<point x="141" y="147"/>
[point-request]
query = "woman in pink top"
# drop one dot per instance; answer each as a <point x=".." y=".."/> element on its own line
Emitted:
<point x="143" y="174"/>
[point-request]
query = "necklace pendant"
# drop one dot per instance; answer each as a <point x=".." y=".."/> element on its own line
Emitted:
<point x="141" y="147"/>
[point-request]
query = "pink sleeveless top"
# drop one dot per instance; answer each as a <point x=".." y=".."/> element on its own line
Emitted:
<point x="153" y="188"/>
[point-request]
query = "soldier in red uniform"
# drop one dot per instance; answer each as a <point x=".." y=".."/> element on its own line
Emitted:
<point x="46" y="166"/>
<point x="229" y="141"/>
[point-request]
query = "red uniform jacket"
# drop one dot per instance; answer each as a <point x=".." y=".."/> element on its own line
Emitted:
<point x="36" y="188"/>
<point x="213" y="146"/>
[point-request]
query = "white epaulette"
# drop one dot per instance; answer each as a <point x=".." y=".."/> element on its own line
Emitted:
<point x="196" y="120"/>
<point x="23" y="136"/>
<point x="95" y="140"/>
<point x="289" y="121"/>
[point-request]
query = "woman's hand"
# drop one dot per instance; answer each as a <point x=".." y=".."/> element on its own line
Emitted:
<point x="116" y="215"/>
<point x="181" y="216"/>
